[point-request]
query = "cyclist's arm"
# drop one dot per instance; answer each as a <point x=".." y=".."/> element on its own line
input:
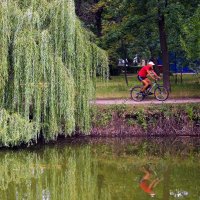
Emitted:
<point x="156" y="75"/>
<point x="152" y="74"/>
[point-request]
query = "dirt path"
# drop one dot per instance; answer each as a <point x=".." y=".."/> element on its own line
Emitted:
<point x="145" y="101"/>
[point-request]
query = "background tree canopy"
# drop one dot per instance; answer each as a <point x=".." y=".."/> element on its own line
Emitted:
<point x="150" y="28"/>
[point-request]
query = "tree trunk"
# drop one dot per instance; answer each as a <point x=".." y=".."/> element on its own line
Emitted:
<point x="98" y="20"/>
<point x="164" y="50"/>
<point x="125" y="63"/>
<point x="181" y="74"/>
<point x="125" y="72"/>
<point x="176" y="78"/>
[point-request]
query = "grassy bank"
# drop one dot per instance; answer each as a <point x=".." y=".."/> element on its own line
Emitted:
<point x="163" y="120"/>
<point x="112" y="121"/>
<point x="117" y="88"/>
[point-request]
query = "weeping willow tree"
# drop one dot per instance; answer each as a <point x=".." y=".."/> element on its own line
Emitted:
<point x="48" y="66"/>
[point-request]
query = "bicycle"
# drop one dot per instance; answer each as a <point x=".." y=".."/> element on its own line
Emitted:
<point x="159" y="92"/>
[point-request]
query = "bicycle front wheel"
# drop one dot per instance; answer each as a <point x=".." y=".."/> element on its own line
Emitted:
<point x="136" y="94"/>
<point x="161" y="93"/>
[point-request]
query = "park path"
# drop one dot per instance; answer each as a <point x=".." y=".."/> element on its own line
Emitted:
<point x="144" y="102"/>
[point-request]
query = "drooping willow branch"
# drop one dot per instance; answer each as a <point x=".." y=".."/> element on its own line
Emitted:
<point x="48" y="66"/>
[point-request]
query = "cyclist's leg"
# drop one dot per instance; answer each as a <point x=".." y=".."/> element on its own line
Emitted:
<point x="146" y="82"/>
<point x="141" y="80"/>
<point x="150" y="84"/>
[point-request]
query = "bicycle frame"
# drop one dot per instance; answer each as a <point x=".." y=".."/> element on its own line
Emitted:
<point x="152" y="87"/>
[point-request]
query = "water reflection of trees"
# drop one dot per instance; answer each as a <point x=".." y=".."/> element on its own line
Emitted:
<point x="53" y="174"/>
<point x="98" y="170"/>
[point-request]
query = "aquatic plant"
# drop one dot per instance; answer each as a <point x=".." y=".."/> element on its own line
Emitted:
<point x="48" y="67"/>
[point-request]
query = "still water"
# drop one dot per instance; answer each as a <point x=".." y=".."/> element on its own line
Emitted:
<point x="103" y="169"/>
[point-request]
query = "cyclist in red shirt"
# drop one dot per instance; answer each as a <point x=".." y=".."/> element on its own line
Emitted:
<point x="142" y="75"/>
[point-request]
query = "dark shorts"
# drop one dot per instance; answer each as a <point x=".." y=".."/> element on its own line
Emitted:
<point x="141" y="78"/>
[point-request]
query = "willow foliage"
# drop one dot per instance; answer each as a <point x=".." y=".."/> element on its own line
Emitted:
<point x="48" y="66"/>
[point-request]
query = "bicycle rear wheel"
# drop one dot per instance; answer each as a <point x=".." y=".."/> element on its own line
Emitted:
<point x="136" y="94"/>
<point x="161" y="93"/>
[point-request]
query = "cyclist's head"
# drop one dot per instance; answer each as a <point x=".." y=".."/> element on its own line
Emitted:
<point x="151" y="63"/>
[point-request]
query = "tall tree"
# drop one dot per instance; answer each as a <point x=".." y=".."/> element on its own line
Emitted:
<point x="98" y="19"/>
<point x="92" y="16"/>
<point x="163" y="43"/>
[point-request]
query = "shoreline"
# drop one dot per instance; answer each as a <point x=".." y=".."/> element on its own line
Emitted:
<point x="123" y="121"/>
<point x="90" y="139"/>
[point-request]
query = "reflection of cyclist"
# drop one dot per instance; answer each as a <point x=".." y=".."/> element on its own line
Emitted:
<point x="146" y="185"/>
<point x="142" y="75"/>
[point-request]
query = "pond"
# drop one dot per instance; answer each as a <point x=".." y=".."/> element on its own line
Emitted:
<point x="103" y="169"/>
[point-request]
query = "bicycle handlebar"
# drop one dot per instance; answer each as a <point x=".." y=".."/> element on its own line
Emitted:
<point x="157" y="79"/>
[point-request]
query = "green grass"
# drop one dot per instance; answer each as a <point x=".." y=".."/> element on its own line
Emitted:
<point x="117" y="88"/>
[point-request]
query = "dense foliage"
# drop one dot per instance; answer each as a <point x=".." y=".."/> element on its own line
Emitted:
<point x="48" y="65"/>
<point x="149" y="28"/>
<point x="136" y="22"/>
